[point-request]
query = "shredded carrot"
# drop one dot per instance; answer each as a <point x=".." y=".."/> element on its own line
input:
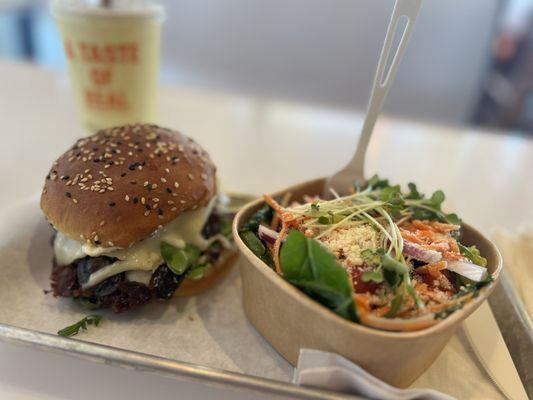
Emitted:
<point x="287" y="219"/>
<point x="276" y="219"/>
<point x="277" y="246"/>
<point x="381" y="311"/>
<point x="362" y="303"/>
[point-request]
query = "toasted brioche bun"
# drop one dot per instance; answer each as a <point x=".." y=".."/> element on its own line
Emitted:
<point x="191" y="287"/>
<point x="118" y="186"/>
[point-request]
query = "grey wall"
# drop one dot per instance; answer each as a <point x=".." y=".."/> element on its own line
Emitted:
<point x="326" y="51"/>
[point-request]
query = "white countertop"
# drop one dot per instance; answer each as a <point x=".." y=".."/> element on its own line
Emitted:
<point x="259" y="145"/>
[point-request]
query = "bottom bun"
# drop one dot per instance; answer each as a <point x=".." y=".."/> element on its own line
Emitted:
<point x="191" y="287"/>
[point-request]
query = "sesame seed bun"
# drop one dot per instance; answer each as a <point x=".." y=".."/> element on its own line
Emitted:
<point x="118" y="186"/>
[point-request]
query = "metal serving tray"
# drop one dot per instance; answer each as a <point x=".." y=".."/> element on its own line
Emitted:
<point x="212" y="342"/>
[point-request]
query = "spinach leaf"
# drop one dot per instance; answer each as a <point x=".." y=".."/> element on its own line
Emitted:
<point x="473" y="254"/>
<point x="264" y="214"/>
<point x="312" y="268"/>
<point x="74" y="329"/>
<point x="257" y="247"/>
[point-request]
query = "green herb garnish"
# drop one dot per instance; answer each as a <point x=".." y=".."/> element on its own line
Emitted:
<point x="179" y="260"/>
<point x="312" y="268"/>
<point x="447" y="311"/>
<point x="472" y="253"/>
<point x="74" y="329"/>
<point x="257" y="247"/>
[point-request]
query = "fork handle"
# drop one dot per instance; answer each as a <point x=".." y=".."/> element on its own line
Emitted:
<point x="384" y="78"/>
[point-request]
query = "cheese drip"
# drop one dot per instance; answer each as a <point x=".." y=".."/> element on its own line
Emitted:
<point x="142" y="256"/>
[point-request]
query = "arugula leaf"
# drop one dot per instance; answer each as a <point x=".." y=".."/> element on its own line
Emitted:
<point x="264" y="214"/>
<point x="374" y="276"/>
<point x="74" y="329"/>
<point x="257" y="247"/>
<point x="413" y="194"/>
<point x="372" y="257"/>
<point x="312" y="268"/>
<point x="393" y="270"/>
<point x="395" y="305"/>
<point x="473" y="287"/>
<point x="473" y="254"/>
<point x="392" y="265"/>
<point x="447" y="311"/>
<point x="179" y="260"/>
<point x="376" y="183"/>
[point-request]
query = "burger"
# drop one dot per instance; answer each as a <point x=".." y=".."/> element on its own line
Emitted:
<point x="136" y="216"/>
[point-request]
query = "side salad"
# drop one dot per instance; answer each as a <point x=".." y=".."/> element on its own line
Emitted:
<point x="381" y="257"/>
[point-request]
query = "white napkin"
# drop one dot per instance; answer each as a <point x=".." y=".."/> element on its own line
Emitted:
<point x="325" y="370"/>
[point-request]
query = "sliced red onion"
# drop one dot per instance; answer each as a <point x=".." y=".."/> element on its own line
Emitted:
<point x="468" y="270"/>
<point x="267" y="234"/>
<point x="418" y="253"/>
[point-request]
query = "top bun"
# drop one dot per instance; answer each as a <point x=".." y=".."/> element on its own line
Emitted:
<point x="118" y="186"/>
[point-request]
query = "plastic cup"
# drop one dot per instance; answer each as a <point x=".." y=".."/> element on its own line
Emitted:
<point x="113" y="59"/>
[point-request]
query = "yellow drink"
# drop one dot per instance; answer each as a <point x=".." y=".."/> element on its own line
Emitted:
<point x="113" y="61"/>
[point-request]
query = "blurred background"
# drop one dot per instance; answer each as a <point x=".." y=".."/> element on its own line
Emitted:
<point x="469" y="62"/>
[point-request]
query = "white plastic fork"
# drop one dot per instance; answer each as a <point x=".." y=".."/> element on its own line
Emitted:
<point x="354" y="171"/>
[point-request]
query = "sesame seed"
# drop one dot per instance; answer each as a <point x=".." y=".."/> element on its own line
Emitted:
<point x="204" y="176"/>
<point x="86" y="171"/>
<point x="176" y="185"/>
<point x="143" y="200"/>
<point x="167" y="170"/>
<point x="145" y="183"/>
<point x="102" y="223"/>
<point x="183" y="201"/>
<point x="154" y="185"/>
<point x="111" y="244"/>
<point x="191" y="176"/>
<point x="127" y="198"/>
<point x="75" y="201"/>
<point x="110" y="188"/>
<point x="163" y="180"/>
<point x="147" y="213"/>
<point x="173" y="209"/>
<point x="170" y="202"/>
<point x="155" y="200"/>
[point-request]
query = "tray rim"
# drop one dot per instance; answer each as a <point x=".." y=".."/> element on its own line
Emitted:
<point x="162" y="366"/>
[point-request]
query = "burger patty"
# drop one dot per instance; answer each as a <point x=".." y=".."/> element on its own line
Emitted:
<point x="116" y="292"/>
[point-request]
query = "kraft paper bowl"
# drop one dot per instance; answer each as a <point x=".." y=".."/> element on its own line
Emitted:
<point x="290" y="320"/>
